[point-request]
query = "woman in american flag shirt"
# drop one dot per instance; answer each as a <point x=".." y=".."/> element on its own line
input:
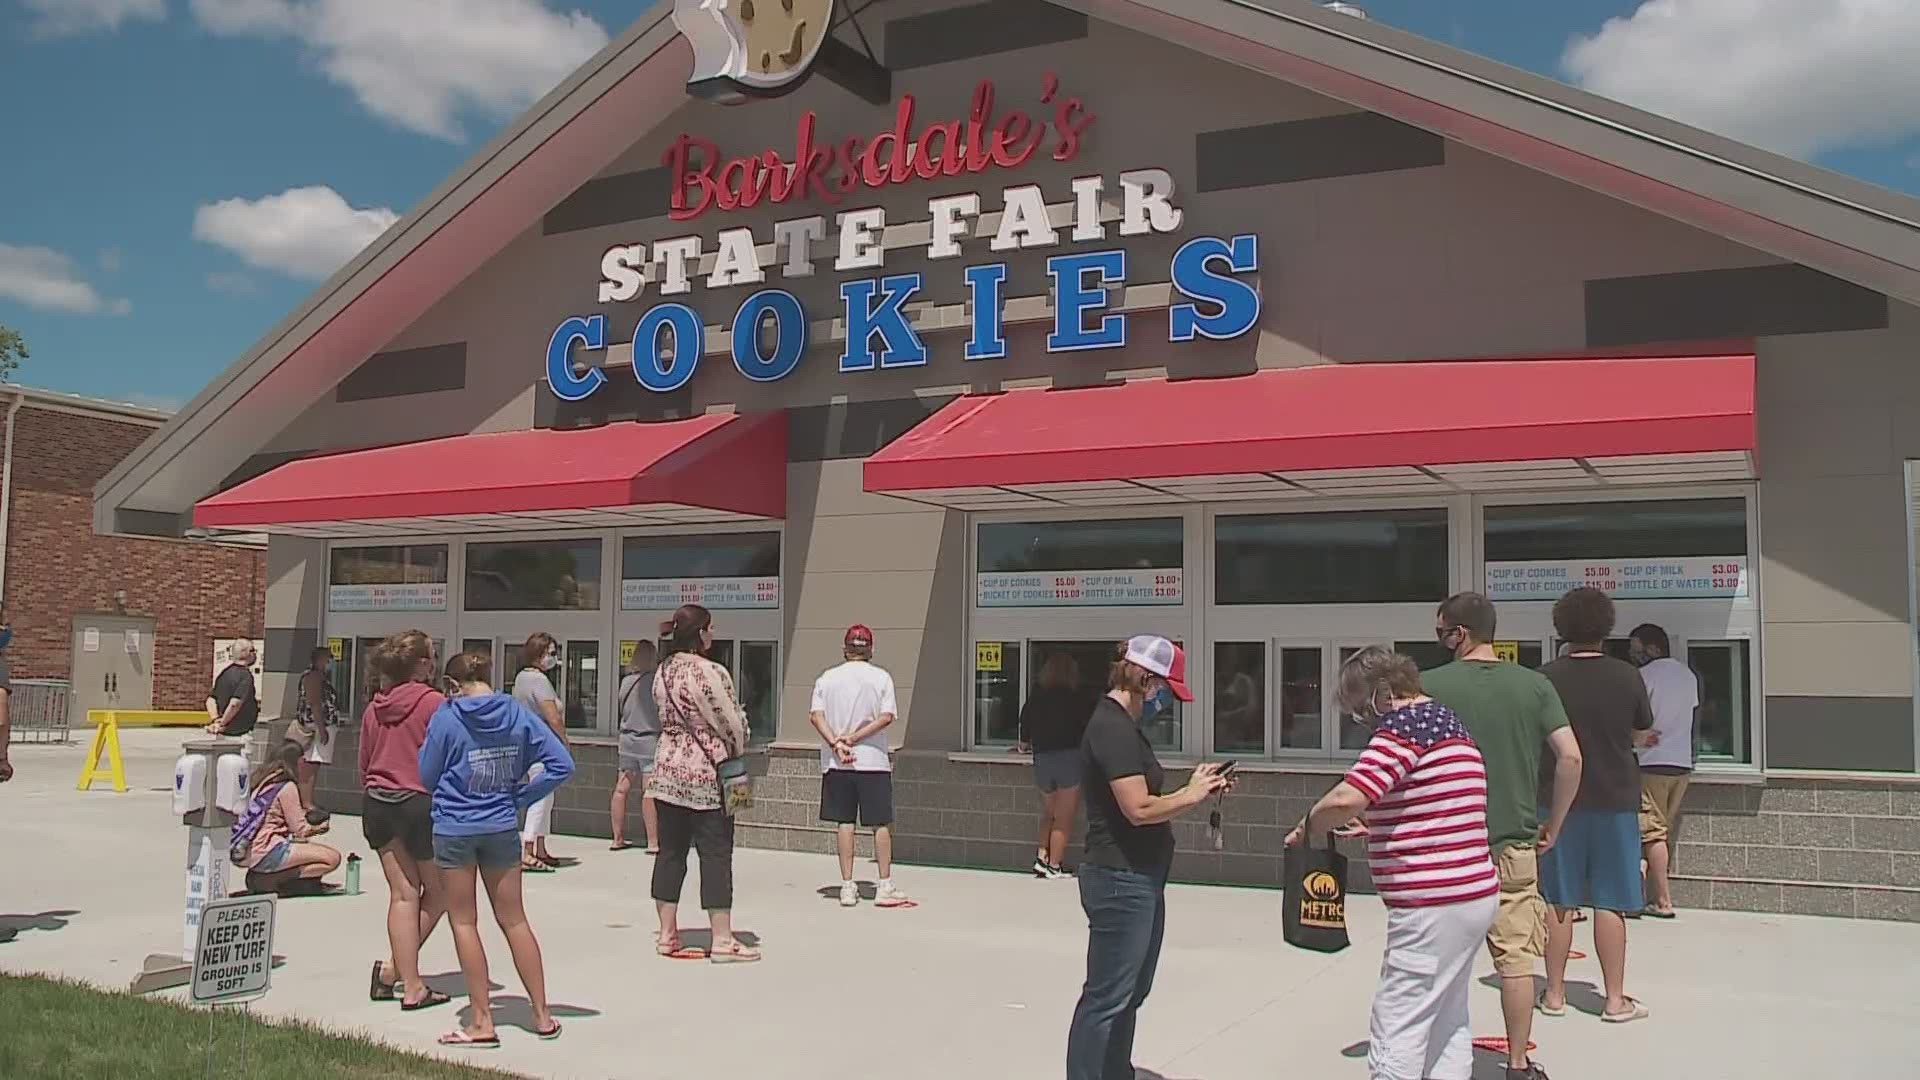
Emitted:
<point x="1423" y="789"/>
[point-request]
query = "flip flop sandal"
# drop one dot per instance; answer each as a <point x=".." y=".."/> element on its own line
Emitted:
<point x="684" y="953"/>
<point x="457" y="1037"/>
<point x="1635" y="1011"/>
<point x="1541" y="1004"/>
<point x="1655" y="913"/>
<point x="738" y="954"/>
<point x="379" y="989"/>
<point x="621" y="846"/>
<point x="434" y="997"/>
<point x="534" y="866"/>
<point x="653" y="851"/>
<point x="551" y="1033"/>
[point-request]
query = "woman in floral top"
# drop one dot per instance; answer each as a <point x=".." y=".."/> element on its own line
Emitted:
<point x="701" y="725"/>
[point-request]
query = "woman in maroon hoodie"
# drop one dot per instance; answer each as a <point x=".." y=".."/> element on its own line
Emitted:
<point x="397" y="815"/>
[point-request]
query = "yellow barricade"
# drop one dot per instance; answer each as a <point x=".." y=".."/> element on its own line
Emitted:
<point x="106" y="739"/>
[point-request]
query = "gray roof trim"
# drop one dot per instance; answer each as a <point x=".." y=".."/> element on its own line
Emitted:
<point x="1800" y="213"/>
<point x="436" y="216"/>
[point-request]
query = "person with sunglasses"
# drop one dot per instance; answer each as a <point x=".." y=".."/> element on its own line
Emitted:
<point x="1129" y="854"/>
<point x="1511" y="712"/>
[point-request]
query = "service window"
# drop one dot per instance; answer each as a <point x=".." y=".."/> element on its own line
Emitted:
<point x="1363" y="557"/>
<point x="398" y="577"/>
<point x="533" y="575"/>
<point x="1680" y="564"/>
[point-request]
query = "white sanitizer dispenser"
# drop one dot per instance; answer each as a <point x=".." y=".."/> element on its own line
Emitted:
<point x="230" y="792"/>
<point x="189" y="785"/>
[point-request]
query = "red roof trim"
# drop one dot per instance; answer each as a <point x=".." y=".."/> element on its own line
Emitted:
<point x="717" y="461"/>
<point x="1335" y="416"/>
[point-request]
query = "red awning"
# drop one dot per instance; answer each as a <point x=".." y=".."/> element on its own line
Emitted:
<point x="1336" y="429"/>
<point x="708" y="468"/>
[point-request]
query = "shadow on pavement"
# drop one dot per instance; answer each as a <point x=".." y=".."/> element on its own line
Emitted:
<point x="453" y="984"/>
<point x="512" y="1011"/>
<point x="702" y="938"/>
<point x="46" y="922"/>
<point x="868" y="890"/>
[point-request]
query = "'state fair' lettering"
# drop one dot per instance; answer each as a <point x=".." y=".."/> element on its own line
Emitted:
<point x="770" y="331"/>
<point x="1085" y="588"/>
<point x="1699" y="578"/>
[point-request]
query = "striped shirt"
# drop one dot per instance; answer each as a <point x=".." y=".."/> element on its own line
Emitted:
<point x="1426" y="790"/>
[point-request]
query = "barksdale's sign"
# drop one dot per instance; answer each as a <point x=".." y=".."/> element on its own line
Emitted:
<point x="1210" y="275"/>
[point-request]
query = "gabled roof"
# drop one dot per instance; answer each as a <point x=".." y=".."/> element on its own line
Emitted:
<point x="1797" y="212"/>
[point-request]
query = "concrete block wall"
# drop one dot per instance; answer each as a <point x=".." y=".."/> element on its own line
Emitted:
<point x="1802" y="847"/>
<point x="1847" y="848"/>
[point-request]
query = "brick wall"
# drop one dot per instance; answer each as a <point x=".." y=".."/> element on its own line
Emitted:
<point x="57" y="567"/>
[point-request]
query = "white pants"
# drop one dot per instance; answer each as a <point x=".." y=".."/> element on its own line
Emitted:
<point x="1419" y="1026"/>
<point x="540" y="814"/>
<point x="539" y="820"/>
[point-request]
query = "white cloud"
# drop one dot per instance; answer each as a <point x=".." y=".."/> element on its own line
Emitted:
<point x="306" y="232"/>
<point x="424" y="64"/>
<point x="57" y="18"/>
<point x="45" y="279"/>
<point x="233" y="283"/>
<point x="1795" y="76"/>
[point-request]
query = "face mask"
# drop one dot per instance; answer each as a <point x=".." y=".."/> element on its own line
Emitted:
<point x="549" y="661"/>
<point x="6" y="636"/>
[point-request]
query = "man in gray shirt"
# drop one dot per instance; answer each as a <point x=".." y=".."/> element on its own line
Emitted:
<point x="639" y="738"/>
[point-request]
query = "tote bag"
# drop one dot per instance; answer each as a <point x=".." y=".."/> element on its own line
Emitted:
<point x="1315" y="898"/>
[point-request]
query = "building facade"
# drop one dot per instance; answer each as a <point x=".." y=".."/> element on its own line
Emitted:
<point x="61" y="579"/>
<point x="1249" y="324"/>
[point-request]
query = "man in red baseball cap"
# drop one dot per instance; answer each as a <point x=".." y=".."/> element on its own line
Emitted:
<point x="853" y="705"/>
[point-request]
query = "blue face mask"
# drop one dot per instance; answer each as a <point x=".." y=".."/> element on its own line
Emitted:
<point x="1157" y="702"/>
<point x="6" y="636"/>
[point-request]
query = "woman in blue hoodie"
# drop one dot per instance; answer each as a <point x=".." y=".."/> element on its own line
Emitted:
<point x="480" y="748"/>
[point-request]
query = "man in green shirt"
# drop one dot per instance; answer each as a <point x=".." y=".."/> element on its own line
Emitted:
<point x="1511" y="712"/>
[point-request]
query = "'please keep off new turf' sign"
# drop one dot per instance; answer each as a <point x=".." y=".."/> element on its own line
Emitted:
<point x="233" y="959"/>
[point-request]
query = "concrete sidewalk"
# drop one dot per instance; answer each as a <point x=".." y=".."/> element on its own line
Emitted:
<point x="977" y="982"/>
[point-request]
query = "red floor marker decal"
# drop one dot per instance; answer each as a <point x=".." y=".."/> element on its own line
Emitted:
<point x="901" y="906"/>
<point x="688" y="954"/>
<point x="1576" y="954"/>
<point x="1497" y="1044"/>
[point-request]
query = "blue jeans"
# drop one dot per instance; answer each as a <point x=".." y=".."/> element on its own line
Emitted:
<point x="1126" y="920"/>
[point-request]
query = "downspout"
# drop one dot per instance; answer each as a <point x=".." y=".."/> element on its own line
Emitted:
<point x="6" y="492"/>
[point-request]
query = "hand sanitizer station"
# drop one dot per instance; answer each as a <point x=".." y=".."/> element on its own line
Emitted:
<point x="209" y="793"/>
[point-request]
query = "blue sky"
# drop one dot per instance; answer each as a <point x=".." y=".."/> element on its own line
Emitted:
<point x="180" y="173"/>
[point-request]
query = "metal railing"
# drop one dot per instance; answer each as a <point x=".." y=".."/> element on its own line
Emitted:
<point x="37" y="711"/>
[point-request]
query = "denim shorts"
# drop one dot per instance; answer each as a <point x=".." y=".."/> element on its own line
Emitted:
<point x="274" y="859"/>
<point x="488" y="851"/>
<point x="1595" y="863"/>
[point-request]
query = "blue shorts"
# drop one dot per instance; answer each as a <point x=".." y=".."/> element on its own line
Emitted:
<point x="488" y="851"/>
<point x="274" y="859"/>
<point x="1595" y="863"/>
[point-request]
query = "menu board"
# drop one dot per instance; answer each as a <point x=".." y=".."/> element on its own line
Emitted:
<point x="420" y="596"/>
<point x="1080" y="588"/>
<point x="713" y="593"/>
<point x="1693" y="578"/>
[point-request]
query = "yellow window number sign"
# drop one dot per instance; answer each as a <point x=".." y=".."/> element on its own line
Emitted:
<point x="1507" y="650"/>
<point x="986" y="656"/>
<point x="626" y="653"/>
<point x="338" y="647"/>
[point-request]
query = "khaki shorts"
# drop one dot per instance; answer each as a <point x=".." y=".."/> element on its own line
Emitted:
<point x="1660" y="798"/>
<point x="1518" y="939"/>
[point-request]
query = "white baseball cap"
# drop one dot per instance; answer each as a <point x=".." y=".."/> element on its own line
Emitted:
<point x="1163" y="658"/>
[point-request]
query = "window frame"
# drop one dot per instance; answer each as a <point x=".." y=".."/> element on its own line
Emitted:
<point x="1523" y="620"/>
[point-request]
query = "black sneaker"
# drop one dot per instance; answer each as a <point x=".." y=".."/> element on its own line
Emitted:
<point x="1040" y="868"/>
<point x="1533" y="1071"/>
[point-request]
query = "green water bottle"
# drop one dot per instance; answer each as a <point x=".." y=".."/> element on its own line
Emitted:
<point x="353" y="875"/>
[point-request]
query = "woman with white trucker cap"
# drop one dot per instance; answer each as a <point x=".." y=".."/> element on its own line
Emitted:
<point x="1129" y="854"/>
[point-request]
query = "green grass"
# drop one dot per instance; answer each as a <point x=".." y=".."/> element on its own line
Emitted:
<point x="52" y="1029"/>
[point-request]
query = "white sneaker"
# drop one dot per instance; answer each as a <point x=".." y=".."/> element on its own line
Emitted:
<point x="1055" y="873"/>
<point x="849" y="894"/>
<point x="1040" y="866"/>
<point x="890" y="896"/>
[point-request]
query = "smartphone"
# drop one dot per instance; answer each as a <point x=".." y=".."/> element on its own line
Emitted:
<point x="1227" y="766"/>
